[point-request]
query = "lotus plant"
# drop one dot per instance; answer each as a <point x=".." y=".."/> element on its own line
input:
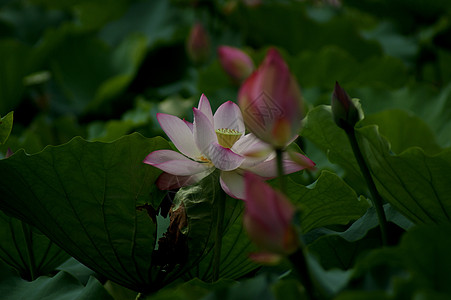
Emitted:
<point x="268" y="218"/>
<point x="344" y="111"/>
<point x="271" y="102"/>
<point x="198" y="44"/>
<point x="237" y="64"/>
<point x="215" y="142"/>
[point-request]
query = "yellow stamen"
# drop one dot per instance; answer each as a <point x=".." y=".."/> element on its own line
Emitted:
<point x="227" y="137"/>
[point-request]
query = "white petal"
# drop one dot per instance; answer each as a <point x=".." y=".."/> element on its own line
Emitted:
<point x="224" y="158"/>
<point x="205" y="107"/>
<point x="174" y="163"/>
<point x="268" y="168"/>
<point x="232" y="183"/>
<point x="250" y="145"/>
<point x="189" y="124"/>
<point x="229" y="116"/>
<point x="204" y="133"/>
<point x="179" y="133"/>
<point x="168" y="181"/>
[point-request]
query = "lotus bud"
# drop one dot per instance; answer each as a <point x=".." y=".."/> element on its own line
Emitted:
<point x="267" y="217"/>
<point x="344" y="111"/>
<point x="198" y="44"/>
<point x="271" y="102"/>
<point x="237" y="64"/>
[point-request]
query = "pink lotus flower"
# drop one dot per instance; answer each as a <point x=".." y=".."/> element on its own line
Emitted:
<point x="267" y="218"/>
<point x="198" y="44"/>
<point x="271" y="102"/>
<point x="215" y="142"/>
<point x="237" y="64"/>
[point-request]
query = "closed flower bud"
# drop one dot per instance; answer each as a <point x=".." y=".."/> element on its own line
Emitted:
<point x="198" y="44"/>
<point x="237" y="64"/>
<point x="267" y="217"/>
<point x="344" y="111"/>
<point x="271" y="102"/>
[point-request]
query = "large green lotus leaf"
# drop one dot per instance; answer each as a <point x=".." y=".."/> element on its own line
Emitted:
<point x="90" y="199"/>
<point x="6" y="125"/>
<point x="403" y="130"/>
<point x="62" y="286"/>
<point x="328" y="201"/>
<point x="431" y="105"/>
<point x="200" y="202"/>
<point x="414" y="182"/>
<point x="26" y="250"/>
<point x="418" y="268"/>
<point x="340" y="249"/>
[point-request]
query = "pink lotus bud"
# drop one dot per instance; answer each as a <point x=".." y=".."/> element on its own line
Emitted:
<point x="235" y="62"/>
<point x="344" y="111"/>
<point x="267" y="217"/>
<point x="198" y="44"/>
<point x="271" y="102"/>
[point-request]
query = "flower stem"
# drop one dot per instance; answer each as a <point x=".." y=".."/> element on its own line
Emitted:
<point x="376" y="197"/>
<point x="220" y="209"/>
<point x="280" y="170"/>
<point x="299" y="263"/>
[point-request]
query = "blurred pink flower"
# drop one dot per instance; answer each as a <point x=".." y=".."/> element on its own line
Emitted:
<point x="198" y="44"/>
<point x="215" y="141"/>
<point x="237" y="64"/>
<point x="271" y="102"/>
<point x="267" y="218"/>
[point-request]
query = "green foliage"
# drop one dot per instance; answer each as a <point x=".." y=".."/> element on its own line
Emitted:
<point x="200" y="202"/>
<point x="409" y="270"/>
<point x="424" y="197"/>
<point x="327" y="201"/>
<point x="79" y="75"/>
<point x="26" y="250"/>
<point x="6" y="125"/>
<point x="50" y="287"/>
<point x="107" y="229"/>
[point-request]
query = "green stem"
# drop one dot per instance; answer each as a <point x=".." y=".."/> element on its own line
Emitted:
<point x="28" y="235"/>
<point x="280" y="170"/>
<point x="220" y="209"/>
<point x="299" y="263"/>
<point x="376" y="198"/>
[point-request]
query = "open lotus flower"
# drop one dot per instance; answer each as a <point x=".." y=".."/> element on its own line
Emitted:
<point x="271" y="102"/>
<point x="215" y="142"/>
<point x="267" y="220"/>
